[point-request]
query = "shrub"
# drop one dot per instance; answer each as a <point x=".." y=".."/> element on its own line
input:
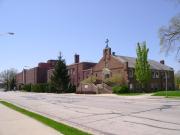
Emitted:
<point x="27" y="87"/>
<point x="51" y="88"/>
<point x="120" y="89"/>
<point x="43" y="87"/>
<point x="46" y="87"/>
<point x="90" y="79"/>
<point x="36" y="88"/>
<point x="115" y="80"/>
<point x="72" y="89"/>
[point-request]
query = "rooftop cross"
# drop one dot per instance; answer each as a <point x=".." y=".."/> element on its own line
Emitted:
<point x="107" y="42"/>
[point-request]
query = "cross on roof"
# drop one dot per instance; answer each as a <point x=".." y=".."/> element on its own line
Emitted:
<point x="107" y="42"/>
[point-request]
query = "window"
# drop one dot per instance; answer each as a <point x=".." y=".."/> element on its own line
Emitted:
<point x="155" y="74"/>
<point x="69" y="72"/>
<point x="131" y="86"/>
<point x="131" y="73"/>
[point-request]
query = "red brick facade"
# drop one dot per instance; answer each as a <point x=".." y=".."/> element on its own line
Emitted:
<point x="77" y="71"/>
<point x="35" y="75"/>
<point x="113" y="63"/>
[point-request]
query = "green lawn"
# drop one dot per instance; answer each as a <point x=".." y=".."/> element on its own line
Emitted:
<point x="169" y="93"/>
<point x="60" y="127"/>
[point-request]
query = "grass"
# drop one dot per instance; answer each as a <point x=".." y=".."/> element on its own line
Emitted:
<point x="169" y="93"/>
<point x="60" y="127"/>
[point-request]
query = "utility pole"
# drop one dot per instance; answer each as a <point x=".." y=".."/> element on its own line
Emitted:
<point x="166" y="82"/>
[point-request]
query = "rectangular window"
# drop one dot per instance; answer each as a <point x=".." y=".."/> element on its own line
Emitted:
<point x="157" y="74"/>
<point x="69" y="72"/>
<point x="131" y="73"/>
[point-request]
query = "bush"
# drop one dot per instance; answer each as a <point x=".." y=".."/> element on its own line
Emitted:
<point x="120" y="89"/>
<point x="39" y="87"/>
<point x="90" y="79"/>
<point x="46" y="87"/>
<point x="43" y="87"/>
<point x="27" y="87"/>
<point x="72" y="89"/>
<point x="51" y="88"/>
<point x="115" y="80"/>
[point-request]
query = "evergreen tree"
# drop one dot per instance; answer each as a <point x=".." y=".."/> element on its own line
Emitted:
<point x="142" y="67"/>
<point x="60" y="78"/>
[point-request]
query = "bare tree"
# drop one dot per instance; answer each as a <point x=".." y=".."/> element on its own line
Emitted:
<point x="170" y="37"/>
<point x="8" y="78"/>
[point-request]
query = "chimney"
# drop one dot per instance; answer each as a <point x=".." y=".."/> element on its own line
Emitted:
<point x="113" y="53"/>
<point x="76" y="58"/>
<point x="162" y="62"/>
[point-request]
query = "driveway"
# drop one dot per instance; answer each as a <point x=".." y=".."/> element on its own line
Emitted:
<point x="105" y="114"/>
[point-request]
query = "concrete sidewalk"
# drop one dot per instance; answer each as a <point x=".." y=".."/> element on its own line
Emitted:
<point x="15" y="123"/>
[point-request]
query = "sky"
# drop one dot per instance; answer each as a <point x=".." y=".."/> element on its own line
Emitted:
<point x="43" y="28"/>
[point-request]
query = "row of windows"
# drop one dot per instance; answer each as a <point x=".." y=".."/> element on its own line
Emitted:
<point x="153" y="86"/>
<point x="155" y="74"/>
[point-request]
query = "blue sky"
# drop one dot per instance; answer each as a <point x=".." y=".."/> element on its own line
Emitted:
<point x="45" y="27"/>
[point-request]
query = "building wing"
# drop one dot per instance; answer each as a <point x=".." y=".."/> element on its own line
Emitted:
<point x="153" y="64"/>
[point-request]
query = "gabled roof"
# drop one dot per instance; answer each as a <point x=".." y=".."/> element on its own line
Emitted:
<point x="153" y="64"/>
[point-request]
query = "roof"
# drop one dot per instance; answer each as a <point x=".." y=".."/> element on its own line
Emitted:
<point x="82" y="63"/>
<point x="153" y="64"/>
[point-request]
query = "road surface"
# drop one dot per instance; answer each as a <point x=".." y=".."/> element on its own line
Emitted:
<point x="105" y="114"/>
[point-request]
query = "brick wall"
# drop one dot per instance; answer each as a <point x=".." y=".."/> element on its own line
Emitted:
<point x="35" y="75"/>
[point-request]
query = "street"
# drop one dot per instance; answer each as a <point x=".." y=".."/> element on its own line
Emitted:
<point x="105" y="114"/>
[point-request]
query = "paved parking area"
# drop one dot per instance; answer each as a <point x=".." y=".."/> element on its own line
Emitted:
<point x="105" y="114"/>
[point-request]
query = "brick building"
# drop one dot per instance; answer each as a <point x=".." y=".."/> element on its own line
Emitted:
<point x="109" y="65"/>
<point x="123" y="65"/>
<point x="35" y="75"/>
<point x="77" y="71"/>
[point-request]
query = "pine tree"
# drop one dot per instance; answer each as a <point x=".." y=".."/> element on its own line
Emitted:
<point x="60" y="78"/>
<point x="142" y="67"/>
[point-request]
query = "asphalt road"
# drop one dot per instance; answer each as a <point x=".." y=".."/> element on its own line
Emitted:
<point x="105" y="114"/>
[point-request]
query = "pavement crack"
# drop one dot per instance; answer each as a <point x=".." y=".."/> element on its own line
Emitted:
<point x="149" y="125"/>
<point x="155" y="120"/>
